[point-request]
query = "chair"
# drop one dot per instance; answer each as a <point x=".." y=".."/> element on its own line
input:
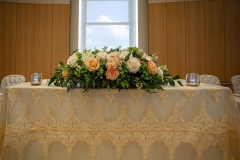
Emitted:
<point x="209" y="79"/>
<point x="236" y="88"/>
<point x="11" y="80"/>
<point x="236" y="84"/>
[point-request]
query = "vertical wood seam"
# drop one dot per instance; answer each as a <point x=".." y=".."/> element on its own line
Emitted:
<point x="204" y="19"/>
<point x="224" y="32"/>
<point x="185" y="38"/>
<point x="33" y="57"/>
<point x="166" y="5"/>
<point x="52" y="43"/>
<point x="16" y="40"/>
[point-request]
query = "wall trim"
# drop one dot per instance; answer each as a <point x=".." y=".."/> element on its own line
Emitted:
<point x="169" y="1"/>
<point x="38" y="1"/>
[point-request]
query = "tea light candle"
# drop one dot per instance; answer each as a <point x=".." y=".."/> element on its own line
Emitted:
<point x="36" y="79"/>
<point x="192" y="79"/>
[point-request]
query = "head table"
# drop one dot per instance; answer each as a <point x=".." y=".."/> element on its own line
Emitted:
<point x="177" y="123"/>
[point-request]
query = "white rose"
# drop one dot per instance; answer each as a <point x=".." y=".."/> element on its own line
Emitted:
<point x="86" y="56"/>
<point x="101" y="55"/>
<point x="113" y="54"/>
<point x="147" y="57"/>
<point x="72" y="60"/>
<point x="133" y="64"/>
<point x="159" y="71"/>
<point x="123" y="54"/>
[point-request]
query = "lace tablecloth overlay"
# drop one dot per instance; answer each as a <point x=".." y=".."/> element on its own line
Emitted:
<point x="46" y="122"/>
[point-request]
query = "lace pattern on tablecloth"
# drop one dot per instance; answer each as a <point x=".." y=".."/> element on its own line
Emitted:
<point x="12" y="94"/>
<point x="201" y="132"/>
<point x="36" y="94"/>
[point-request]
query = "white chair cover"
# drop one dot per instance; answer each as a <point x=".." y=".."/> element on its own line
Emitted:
<point x="11" y="80"/>
<point x="236" y="88"/>
<point x="236" y="84"/>
<point x="209" y="79"/>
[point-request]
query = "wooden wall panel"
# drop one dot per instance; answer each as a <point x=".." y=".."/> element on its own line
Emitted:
<point x="25" y="39"/>
<point x="7" y="39"/>
<point x="43" y="40"/>
<point x="214" y="38"/>
<point x="60" y="41"/>
<point x="1" y="39"/>
<point x="158" y="32"/>
<point x="232" y="38"/>
<point x="176" y="38"/>
<point x="194" y="18"/>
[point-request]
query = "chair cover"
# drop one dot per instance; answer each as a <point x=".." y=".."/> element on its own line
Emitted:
<point x="11" y="80"/>
<point x="209" y="79"/>
<point x="236" y="84"/>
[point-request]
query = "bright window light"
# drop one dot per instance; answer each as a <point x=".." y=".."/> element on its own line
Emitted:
<point x="110" y="23"/>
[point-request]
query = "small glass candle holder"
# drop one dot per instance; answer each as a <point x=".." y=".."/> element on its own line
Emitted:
<point x="36" y="79"/>
<point x="192" y="79"/>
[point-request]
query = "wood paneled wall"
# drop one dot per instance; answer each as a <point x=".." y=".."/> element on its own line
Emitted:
<point x="8" y="36"/>
<point x="198" y="36"/>
<point x="33" y="38"/>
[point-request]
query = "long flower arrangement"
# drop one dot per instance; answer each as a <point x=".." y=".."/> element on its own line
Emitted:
<point x="112" y="68"/>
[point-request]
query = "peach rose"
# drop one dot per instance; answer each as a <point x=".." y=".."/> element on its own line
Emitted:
<point x="110" y="65"/>
<point x="152" y="67"/>
<point x="112" y="74"/>
<point x="65" y="73"/>
<point x="112" y="62"/>
<point x="92" y="64"/>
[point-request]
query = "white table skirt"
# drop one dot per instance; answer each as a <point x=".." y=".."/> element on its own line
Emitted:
<point x="46" y="122"/>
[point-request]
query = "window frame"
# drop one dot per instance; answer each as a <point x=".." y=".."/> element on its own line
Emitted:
<point x="132" y="22"/>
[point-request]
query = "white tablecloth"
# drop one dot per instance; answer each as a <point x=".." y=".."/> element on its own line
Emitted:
<point x="185" y="123"/>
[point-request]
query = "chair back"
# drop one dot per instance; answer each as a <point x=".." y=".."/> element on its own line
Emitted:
<point x="236" y="84"/>
<point x="11" y="80"/>
<point x="209" y="79"/>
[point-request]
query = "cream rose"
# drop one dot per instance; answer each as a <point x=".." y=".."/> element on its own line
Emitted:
<point x="159" y="71"/>
<point x="101" y="55"/>
<point x="92" y="64"/>
<point x="112" y="74"/>
<point x="113" y="54"/>
<point x="123" y="54"/>
<point x="72" y="60"/>
<point x="147" y="57"/>
<point x="133" y="64"/>
<point x="86" y="56"/>
<point x="152" y="67"/>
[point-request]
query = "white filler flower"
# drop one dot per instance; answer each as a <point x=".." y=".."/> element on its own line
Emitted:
<point x="72" y="60"/>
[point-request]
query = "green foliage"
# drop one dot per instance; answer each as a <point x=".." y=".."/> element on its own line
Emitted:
<point x="70" y="75"/>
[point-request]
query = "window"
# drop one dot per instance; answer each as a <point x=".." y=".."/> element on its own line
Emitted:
<point x="110" y="23"/>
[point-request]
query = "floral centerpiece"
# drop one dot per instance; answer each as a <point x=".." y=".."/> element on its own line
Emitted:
<point x="112" y="68"/>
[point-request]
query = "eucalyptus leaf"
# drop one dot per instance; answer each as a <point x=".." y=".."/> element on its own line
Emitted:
<point x="172" y="83"/>
<point x="179" y="82"/>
